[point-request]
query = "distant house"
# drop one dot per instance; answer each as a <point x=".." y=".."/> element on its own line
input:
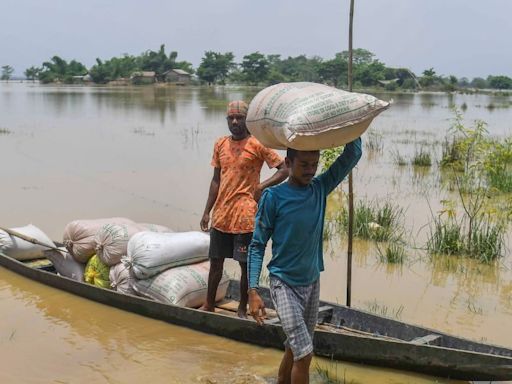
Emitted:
<point x="143" y="77"/>
<point x="386" y="82"/>
<point x="177" y="76"/>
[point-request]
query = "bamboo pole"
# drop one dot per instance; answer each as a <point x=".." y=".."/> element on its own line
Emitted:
<point x="350" y="178"/>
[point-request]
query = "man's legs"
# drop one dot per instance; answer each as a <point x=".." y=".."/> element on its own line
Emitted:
<point x="294" y="372"/>
<point x="244" y="287"/>
<point x="214" y="276"/>
<point x="240" y="248"/>
<point x="297" y="309"/>
<point x="300" y="370"/>
<point x="285" y="369"/>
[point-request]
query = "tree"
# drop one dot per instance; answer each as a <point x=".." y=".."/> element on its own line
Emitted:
<point x="32" y="73"/>
<point x="369" y="74"/>
<point x="215" y="66"/>
<point x="478" y="82"/>
<point x="255" y="68"/>
<point x="429" y="77"/>
<point x="158" y="62"/>
<point x="499" y="82"/>
<point x="359" y="56"/>
<point x="7" y="71"/>
<point x="334" y="71"/>
<point x="58" y="70"/>
<point x="113" y="69"/>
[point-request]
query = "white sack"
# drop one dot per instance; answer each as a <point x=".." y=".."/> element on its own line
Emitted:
<point x="154" y="227"/>
<point x="150" y="252"/>
<point x="112" y="241"/>
<point x="21" y="249"/>
<point x="65" y="265"/>
<point x="184" y="286"/>
<point x="310" y="116"/>
<point x="121" y="279"/>
<point x="79" y="236"/>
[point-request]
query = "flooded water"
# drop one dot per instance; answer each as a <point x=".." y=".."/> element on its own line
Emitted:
<point x="144" y="153"/>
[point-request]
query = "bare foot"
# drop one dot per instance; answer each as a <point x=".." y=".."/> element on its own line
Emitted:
<point x="242" y="313"/>
<point x="207" y="308"/>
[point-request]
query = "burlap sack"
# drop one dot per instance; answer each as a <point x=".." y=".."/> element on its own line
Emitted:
<point x="112" y="241"/>
<point x="20" y="249"/>
<point x="310" y="116"/>
<point x="79" y="236"/>
<point x="150" y="253"/>
<point x="184" y="286"/>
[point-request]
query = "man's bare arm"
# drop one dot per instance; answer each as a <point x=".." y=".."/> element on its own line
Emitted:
<point x="279" y="176"/>
<point x="212" y="197"/>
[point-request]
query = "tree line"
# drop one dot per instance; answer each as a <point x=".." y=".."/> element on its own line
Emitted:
<point x="259" y="69"/>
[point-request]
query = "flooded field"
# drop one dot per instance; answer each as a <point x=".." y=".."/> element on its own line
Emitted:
<point x="144" y="153"/>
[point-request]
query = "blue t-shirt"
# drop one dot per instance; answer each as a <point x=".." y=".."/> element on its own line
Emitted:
<point x="294" y="217"/>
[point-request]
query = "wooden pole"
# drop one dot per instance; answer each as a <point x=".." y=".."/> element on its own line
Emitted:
<point x="29" y="239"/>
<point x="350" y="178"/>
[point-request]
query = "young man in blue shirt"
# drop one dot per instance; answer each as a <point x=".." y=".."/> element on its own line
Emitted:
<point x="292" y="214"/>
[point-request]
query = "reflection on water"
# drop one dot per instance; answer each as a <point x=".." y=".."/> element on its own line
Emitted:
<point x="145" y="152"/>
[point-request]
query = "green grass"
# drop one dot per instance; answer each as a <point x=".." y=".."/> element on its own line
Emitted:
<point x="446" y="237"/>
<point x="384" y="310"/>
<point x="398" y="159"/>
<point x="373" y="221"/>
<point x="485" y="241"/>
<point x="422" y="159"/>
<point x="4" y="131"/>
<point x="374" y="142"/>
<point x="329" y="374"/>
<point x="394" y="253"/>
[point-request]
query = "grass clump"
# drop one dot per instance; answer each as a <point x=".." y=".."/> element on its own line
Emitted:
<point x="5" y="131"/>
<point x="384" y="310"/>
<point x="374" y="142"/>
<point x="398" y="159"/>
<point x="372" y="221"/>
<point x="446" y="237"/>
<point x="479" y="237"/>
<point x="375" y="221"/>
<point x="422" y="158"/>
<point x="394" y="253"/>
<point x="329" y="374"/>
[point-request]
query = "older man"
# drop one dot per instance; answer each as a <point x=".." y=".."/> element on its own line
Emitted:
<point x="234" y="191"/>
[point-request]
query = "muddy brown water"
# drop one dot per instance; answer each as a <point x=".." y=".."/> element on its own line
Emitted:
<point x="144" y="153"/>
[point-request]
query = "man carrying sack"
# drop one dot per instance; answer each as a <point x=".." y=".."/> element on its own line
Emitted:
<point x="292" y="214"/>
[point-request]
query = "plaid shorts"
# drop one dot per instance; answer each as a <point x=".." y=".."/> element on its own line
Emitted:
<point x="297" y="308"/>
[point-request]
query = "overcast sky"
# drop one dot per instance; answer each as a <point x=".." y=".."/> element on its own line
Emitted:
<point x="461" y="37"/>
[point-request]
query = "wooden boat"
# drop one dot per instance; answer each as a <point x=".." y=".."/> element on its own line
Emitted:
<point x="343" y="333"/>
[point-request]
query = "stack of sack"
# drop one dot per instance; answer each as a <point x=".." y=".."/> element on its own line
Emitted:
<point x="171" y="267"/>
<point x="140" y="259"/>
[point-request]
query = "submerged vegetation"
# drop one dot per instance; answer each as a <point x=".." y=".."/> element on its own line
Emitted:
<point x="372" y="221"/>
<point x="393" y="253"/>
<point x="384" y="310"/>
<point x="422" y="158"/>
<point x="479" y="169"/>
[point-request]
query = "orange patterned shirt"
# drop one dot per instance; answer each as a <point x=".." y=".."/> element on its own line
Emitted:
<point x="240" y="165"/>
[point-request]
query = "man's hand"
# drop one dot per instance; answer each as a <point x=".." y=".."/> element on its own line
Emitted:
<point x="205" y="221"/>
<point x="257" y="193"/>
<point x="256" y="306"/>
